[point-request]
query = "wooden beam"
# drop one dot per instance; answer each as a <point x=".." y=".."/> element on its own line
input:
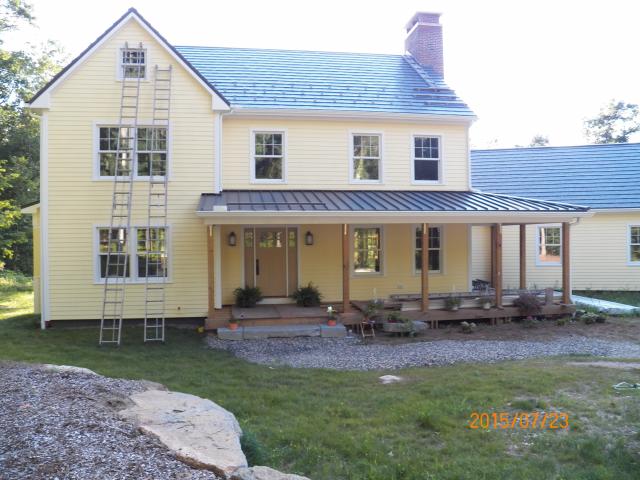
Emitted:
<point x="346" y="305"/>
<point x="424" y="274"/>
<point x="523" y="257"/>
<point x="493" y="256"/>
<point x="210" y="273"/>
<point x="566" y="263"/>
<point x="497" y="264"/>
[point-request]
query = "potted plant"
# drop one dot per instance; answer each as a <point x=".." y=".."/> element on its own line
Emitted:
<point x="308" y="296"/>
<point x="396" y="323"/>
<point x="486" y="302"/>
<point x="528" y="304"/>
<point x="332" y="316"/>
<point x="452" y="303"/>
<point x="247" y="297"/>
<point x="233" y="324"/>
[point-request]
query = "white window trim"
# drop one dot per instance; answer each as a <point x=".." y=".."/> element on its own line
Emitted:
<point x="252" y="156"/>
<point x="381" y="273"/>
<point x="539" y="263"/>
<point x="380" y="180"/>
<point x="144" y="123"/>
<point x="133" y="257"/>
<point x="629" y="261"/>
<point x="119" y="65"/>
<point x="413" y="249"/>
<point x="412" y="157"/>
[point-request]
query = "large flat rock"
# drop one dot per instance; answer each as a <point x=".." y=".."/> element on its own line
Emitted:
<point x="197" y="430"/>
<point x="264" y="473"/>
<point x="281" y="331"/>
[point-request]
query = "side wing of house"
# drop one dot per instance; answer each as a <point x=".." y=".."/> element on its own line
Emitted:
<point x="78" y="193"/>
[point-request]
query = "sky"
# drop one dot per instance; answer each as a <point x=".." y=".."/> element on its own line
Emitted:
<point x="525" y="67"/>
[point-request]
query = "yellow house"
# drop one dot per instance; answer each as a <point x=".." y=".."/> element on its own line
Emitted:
<point x="279" y="168"/>
<point x="605" y="247"/>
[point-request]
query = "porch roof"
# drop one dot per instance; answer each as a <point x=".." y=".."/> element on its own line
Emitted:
<point x="384" y="205"/>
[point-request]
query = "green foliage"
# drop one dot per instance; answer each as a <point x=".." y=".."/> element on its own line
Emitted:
<point x="15" y="282"/>
<point x="539" y="140"/>
<point x="252" y="448"/>
<point x="247" y="297"/>
<point x="452" y="302"/>
<point x="615" y="123"/>
<point x="397" y="317"/>
<point x="467" y="327"/>
<point x="528" y="304"/>
<point x="308" y="296"/>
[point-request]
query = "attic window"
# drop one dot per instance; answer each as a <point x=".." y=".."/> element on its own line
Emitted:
<point x="133" y="63"/>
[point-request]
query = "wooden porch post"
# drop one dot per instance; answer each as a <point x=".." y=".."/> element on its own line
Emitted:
<point x="566" y="263"/>
<point x="497" y="264"/>
<point x="210" y="273"/>
<point x="523" y="257"/>
<point x="425" y="267"/>
<point x="493" y="256"/>
<point x="346" y="305"/>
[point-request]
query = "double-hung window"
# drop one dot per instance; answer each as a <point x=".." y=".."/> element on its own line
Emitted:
<point x="112" y="252"/>
<point x="434" y="249"/>
<point x="147" y="256"/>
<point x="634" y="244"/>
<point x="133" y="63"/>
<point x="367" y="250"/>
<point x="151" y="151"/>
<point x="549" y="245"/>
<point x="426" y="159"/>
<point x="366" y="158"/>
<point x="268" y="156"/>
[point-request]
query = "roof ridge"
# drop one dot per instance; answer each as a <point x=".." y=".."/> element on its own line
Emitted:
<point x="398" y="55"/>
<point x="541" y="147"/>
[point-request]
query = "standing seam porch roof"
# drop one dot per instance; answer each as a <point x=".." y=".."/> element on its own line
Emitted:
<point x="600" y="176"/>
<point x="374" y="201"/>
<point x="297" y="79"/>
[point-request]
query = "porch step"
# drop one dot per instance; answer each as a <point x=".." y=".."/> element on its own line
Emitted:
<point x="281" y="331"/>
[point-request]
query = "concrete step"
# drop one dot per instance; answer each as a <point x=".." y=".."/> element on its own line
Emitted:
<point x="281" y="331"/>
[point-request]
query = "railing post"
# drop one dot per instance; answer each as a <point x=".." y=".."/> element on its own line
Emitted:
<point x="425" y="267"/>
<point x="346" y="305"/>
<point x="566" y="263"/>
<point x="497" y="264"/>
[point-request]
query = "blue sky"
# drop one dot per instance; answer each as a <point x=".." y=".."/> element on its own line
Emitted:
<point x="525" y="67"/>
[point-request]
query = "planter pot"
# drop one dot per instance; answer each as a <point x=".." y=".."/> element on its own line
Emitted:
<point x="486" y="306"/>
<point x="332" y="323"/>
<point x="453" y="309"/>
<point x="233" y="326"/>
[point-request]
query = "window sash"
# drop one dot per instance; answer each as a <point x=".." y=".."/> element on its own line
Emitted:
<point x="426" y="155"/>
<point x="367" y="250"/>
<point x="151" y="253"/>
<point x="366" y="157"/>
<point x="133" y="63"/>
<point x="151" y="143"/>
<point x="118" y="252"/>
<point x="434" y="249"/>
<point x="634" y="243"/>
<point x="549" y="245"/>
<point x="268" y="156"/>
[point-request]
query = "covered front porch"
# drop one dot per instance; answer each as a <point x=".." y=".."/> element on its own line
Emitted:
<point x="410" y="260"/>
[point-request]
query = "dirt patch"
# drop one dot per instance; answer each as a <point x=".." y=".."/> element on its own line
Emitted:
<point x="616" y="365"/>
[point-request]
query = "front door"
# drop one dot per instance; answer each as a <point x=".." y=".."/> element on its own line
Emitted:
<point x="271" y="261"/>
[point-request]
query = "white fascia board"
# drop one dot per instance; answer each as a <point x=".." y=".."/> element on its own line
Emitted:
<point x="44" y="100"/>
<point x="278" y="217"/>
<point x="352" y="115"/>
<point x="616" y="210"/>
<point x="31" y="209"/>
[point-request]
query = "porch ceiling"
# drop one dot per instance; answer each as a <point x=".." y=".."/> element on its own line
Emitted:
<point x="387" y="206"/>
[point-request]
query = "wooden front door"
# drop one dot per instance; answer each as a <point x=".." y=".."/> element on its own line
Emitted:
<point x="271" y="261"/>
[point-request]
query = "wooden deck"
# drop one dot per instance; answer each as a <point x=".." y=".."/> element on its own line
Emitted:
<point x="268" y="315"/>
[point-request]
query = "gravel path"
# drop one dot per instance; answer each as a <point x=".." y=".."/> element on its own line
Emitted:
<point x="351" y="353"/>
<point x="64" y="426"/>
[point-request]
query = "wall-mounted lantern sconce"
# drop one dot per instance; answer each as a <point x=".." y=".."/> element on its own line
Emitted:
<point x="232" y="239"/>
<point x="308" y="238"/>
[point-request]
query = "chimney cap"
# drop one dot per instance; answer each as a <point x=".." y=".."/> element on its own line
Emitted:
<point x="423" y="17"/>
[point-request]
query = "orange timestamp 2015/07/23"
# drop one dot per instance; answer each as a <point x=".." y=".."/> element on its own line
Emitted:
<point x="521" y="420"/>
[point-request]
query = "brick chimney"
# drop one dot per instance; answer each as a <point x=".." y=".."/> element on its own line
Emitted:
<point x="424" y="40"/>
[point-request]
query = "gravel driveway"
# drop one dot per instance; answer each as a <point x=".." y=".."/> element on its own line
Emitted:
<point x="64" y="426"/>
<point x="351" y="353"/>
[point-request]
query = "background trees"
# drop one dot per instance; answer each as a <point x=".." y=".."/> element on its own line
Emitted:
<point x="615" y="123"/>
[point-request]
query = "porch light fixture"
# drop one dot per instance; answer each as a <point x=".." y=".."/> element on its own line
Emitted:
<point x="308" y="238"/>
<point x="232" y="239"/>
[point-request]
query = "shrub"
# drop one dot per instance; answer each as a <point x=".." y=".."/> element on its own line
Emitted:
<point x="562" y="321"/>
<point x="252" y="448"/>
<point x="452" y="302"/>
<point x="308" y="296"/>
<point x="486" y="300"/>
<point x="590" y="318"/>
<point x="468" y="327"/>
<point x="247" y="297"/>
<point x="395" y="317"/>
<point x="528" y="304"/>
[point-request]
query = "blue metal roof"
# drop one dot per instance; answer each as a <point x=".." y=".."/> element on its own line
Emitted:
<point x="598" y="176"/>
<point x="373" y="201"/>
<point x="295" y="79"/>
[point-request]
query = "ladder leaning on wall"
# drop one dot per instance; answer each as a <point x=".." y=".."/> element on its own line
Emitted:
<point x="117" y="265"/>
<point x="156" y="237"/>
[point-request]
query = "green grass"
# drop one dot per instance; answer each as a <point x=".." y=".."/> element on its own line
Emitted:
<point x="16" y="295"/>
<point x="628" y="297"/>
<point x="345" y="425"/>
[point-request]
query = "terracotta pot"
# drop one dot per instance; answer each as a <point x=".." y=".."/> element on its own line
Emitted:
<point x="233" y="326"/>
<point x="332" y="323"/>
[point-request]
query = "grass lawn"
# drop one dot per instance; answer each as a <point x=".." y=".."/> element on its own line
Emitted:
<point x="345" y="425"/>
<point x="628" y="297"/>
<point x="16" y="295"/>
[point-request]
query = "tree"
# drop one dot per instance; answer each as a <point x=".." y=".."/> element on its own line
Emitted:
<point x="539" y="140"/>
<point x="22" y="73"/>
<point x="615" y="123"/>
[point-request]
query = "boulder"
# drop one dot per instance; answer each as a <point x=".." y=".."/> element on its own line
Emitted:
<point x="386" y="379"/>
<point x="68" y="369"/>
<point x="198" y="431"/>
<point x="264" y="473"/>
